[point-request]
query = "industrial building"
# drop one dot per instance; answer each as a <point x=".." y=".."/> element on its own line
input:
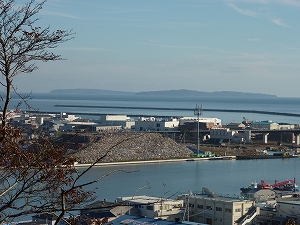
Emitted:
<point x="221" y="135"/>
<point x="154" y="207"/>
<point x="115" y="121"/>
<point x="236" y="126"/>
<point x="264" y="125"/>
<point x="209" y="208"/>
<point x="155" y="124"/>
<point x="204" y="123"/>
<point x="278" y="212"/>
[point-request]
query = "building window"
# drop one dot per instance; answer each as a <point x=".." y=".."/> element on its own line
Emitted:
<point x="238" y="210"/>
<point x="227" y="210"/>
<point x="164" y="207"/>
<point x="157" y="125"/>
<point x="150" y="207"/>
<point x="209" y="207"/>
<point x="200" y="206"/>
<point x="219" y="209"/>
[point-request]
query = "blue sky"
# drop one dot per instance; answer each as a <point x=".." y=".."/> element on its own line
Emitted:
<point x="148" y="45"/>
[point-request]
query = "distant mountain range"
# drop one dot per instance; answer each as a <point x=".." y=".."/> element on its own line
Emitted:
<point x="89" y="91"/>
<point x="181" y="92"/>
<point x="184" y="92"/>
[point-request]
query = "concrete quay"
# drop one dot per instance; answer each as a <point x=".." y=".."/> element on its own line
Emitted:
<point x="154" y="161"/>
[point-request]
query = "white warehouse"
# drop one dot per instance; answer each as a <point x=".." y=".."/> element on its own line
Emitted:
<point x="154" y="124"/>
<point x="215" y="121"/>
<point x="122" y="121"/>
<point x="232" y="135"/>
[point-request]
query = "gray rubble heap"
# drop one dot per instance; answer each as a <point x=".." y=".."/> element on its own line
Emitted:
<point x="122" y="147"/>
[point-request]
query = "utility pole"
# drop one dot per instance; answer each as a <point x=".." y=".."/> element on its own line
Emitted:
<point x="198" y="111"/>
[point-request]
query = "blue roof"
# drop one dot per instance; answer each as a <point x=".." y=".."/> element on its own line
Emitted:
<point x="133" y="220"/>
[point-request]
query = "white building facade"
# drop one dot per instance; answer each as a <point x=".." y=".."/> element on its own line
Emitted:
<point x="154" y="207"/>
<point x="115" y="121"/>
<point x="232" y="135"/>
<point x="218" y="210"/>
<point x="154" y="124"/>
<point x="215" y="121"/>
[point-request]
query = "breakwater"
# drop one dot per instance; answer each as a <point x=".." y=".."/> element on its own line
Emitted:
<point x="181" y="109"/>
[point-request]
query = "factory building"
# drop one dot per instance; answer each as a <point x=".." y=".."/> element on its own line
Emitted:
<point x="115" y="122"/>
<point x="221" y="135"/>
<point x="209" y="208"/>
<point x="152" y="124"/>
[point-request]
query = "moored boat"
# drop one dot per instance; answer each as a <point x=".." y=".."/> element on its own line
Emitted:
<point x="288" y="185"/>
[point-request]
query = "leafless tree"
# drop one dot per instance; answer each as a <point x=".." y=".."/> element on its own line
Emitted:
<point x="22" y="44"/>
<point x="42" y="177"/>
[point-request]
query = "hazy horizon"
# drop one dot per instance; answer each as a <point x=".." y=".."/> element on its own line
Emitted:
<point x="232" y="45"/>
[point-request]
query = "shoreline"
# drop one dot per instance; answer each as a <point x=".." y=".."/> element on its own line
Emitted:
<point x="178" y="160"/>
<point x="155" y="161"/>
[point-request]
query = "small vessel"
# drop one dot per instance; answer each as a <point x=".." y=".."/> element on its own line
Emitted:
<point x="288" y="185"/>
<point x="253" y="187"/>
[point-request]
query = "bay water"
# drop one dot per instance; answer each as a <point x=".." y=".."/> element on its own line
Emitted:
<point x="224" y="177"/>
<point x="166" y="179"/>
<point x="48" y="102"/>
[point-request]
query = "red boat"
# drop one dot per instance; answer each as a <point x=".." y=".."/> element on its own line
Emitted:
<point x="288" y="185"/>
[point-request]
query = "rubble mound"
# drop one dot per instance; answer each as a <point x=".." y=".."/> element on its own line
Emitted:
<point x="124" y="147"/>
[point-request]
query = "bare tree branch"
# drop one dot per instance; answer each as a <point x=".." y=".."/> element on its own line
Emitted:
<point x="41" y="178"/>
